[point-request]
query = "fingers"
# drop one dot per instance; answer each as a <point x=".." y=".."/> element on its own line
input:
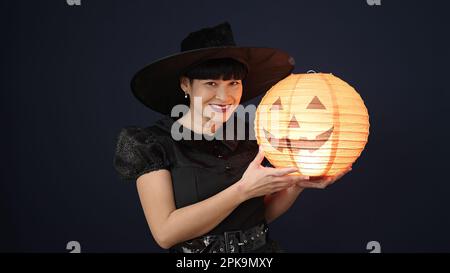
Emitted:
<point x="283" y="175"/>
<point x="282" y="171"/>
<point x="283" y="182"/>
<point x="344" y="172"/>
<point x="341" y="174"/>
<point x="313" y="185"/>
<point x="301" y="177"/>
<point x="259" y="157"/>
<point x="291" y="178"/>
<point x="281" y="186"/>
<point x="321" y="182"/>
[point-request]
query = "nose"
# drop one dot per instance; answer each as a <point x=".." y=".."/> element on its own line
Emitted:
<point x="222" y="94"/>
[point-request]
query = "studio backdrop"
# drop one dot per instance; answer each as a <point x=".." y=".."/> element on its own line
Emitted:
<point x="66" y="68"/>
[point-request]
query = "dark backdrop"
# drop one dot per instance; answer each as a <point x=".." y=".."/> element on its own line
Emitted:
<point x="65" y="94"/>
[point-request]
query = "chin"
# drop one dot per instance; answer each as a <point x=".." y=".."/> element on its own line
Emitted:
<point x="223" y="119"/>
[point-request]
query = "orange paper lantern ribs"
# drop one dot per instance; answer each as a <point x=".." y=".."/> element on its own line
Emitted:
<point x="315" y="122"/>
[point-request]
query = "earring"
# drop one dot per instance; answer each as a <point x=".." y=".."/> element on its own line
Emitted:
<point x="185" y="95"/>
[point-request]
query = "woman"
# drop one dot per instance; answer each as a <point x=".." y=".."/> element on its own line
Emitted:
<point x="202" y="195"/>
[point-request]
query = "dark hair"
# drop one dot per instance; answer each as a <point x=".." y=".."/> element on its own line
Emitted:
<point x="225" y="69"/>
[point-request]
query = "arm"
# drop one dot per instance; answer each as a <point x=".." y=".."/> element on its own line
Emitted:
<point x="169" y="225"/>
<point x="278" y="203"/>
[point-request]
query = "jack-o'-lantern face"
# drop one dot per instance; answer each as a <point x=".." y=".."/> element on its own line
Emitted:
<point x="311" y="143"/>
<point x="298" y="124"/>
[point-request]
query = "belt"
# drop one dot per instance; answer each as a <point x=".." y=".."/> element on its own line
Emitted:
<point x="237" y="241"/>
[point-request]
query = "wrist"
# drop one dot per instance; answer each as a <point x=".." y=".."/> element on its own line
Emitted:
<point x="295" y="189"/>
<point x="240" y="191"/>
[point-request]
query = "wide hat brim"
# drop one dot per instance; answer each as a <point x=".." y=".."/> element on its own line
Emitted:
<point x="158" y="86"/>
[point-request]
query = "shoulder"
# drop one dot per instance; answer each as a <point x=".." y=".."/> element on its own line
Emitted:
<point x="134" y="135"/>
<point x="139" y="150"/>
<point x="157" y="134"/>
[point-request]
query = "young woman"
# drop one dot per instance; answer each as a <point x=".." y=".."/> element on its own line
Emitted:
<point x="198" y="194"/>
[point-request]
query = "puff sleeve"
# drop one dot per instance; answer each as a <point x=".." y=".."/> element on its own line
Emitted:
<point x="138" y="151"/>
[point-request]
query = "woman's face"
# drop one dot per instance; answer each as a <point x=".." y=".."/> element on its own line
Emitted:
<point x="213" y="99"/>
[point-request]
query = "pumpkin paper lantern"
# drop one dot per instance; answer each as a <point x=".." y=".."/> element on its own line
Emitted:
<point x="315" y="122"/>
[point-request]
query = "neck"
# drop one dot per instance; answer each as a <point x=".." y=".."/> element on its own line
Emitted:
<point x="198" y="123"/>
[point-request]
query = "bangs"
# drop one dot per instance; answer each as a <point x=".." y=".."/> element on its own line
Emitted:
<point x="225" y="69"/>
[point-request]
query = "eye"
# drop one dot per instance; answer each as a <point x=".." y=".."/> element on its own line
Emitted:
<point x="316" y="104"/>
<point x="235" y="83"/>
<point x="277" y="105"/>
<point x="211" y="83"/>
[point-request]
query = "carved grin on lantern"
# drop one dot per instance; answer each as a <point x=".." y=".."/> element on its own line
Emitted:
<point x="302" y="143"/>
<point x="298" y="144"/>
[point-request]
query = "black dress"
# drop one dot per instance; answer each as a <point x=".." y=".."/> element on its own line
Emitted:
<point x="199" y="168"/>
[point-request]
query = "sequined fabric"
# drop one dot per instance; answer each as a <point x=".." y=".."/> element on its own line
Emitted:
<point x="253" y="240"/>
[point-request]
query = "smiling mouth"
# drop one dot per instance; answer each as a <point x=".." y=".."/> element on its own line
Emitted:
<point x="294" y="145"/>
<point x="221" y="108"/>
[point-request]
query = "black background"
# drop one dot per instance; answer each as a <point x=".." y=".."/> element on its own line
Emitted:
<point x="65" y="73"/>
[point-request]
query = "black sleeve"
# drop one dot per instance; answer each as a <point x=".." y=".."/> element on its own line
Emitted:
<point x="138" y="151"/>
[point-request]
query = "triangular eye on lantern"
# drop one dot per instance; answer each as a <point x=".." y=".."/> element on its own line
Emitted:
<point x="276" y="105"/>
<point x="316" y="104"/>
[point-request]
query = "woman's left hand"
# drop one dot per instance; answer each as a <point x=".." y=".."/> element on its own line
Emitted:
<point x="321" y="182"/>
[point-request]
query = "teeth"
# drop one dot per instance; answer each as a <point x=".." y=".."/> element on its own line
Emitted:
<point x="219" y="106"/>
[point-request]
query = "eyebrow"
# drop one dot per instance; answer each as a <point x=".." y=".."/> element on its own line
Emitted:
<point x="219" y="80"/>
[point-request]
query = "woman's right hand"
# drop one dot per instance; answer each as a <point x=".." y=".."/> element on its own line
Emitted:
<point x="258" y="180"/>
